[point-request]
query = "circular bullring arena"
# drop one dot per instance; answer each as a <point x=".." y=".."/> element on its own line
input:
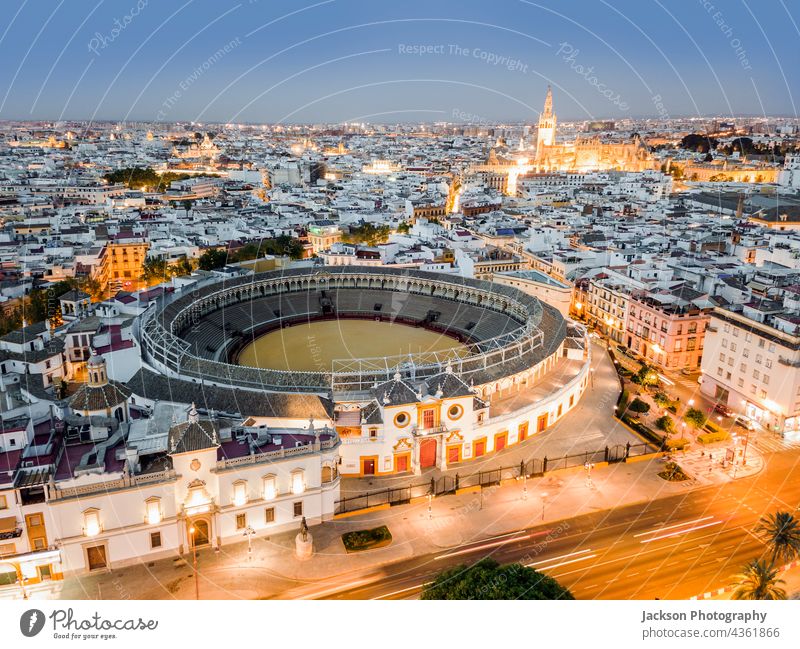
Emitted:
<point x="344" y="329"/>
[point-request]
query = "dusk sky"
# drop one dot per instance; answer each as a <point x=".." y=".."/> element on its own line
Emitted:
<point x="355" y="60"/>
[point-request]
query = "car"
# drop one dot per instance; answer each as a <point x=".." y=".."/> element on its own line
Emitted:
<point x="744" y="422"/>
<point x="722" y="409"/>
<point x="686" y="371"/>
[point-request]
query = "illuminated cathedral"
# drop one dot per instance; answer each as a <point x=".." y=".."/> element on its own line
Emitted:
<point x="585" y="154"/>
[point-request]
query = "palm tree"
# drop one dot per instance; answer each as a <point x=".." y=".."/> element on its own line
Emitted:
<point x="759" y="580"/>
<point x="781" y="532"/>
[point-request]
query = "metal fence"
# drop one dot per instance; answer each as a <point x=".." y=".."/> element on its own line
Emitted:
<point x="449" y="484"/>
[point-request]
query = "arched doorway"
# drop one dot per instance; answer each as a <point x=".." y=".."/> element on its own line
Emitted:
<point x="201" y="533"/>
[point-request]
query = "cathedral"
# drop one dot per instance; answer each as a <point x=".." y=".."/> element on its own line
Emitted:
<point x="585" y="154"/>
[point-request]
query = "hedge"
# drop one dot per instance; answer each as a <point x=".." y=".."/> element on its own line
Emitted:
<point x="710" y="438"/>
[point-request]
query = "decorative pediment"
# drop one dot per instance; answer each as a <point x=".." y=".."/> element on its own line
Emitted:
<point x="403" y="444"/>
<point x="454" y="436"/>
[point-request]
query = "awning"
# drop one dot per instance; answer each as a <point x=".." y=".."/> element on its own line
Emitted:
<point x="8" y="524"/>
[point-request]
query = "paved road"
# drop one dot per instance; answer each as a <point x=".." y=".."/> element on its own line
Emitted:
<point x="672" y="548"/>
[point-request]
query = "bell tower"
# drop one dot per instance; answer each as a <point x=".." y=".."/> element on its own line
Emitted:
<point x="546" y="135"/>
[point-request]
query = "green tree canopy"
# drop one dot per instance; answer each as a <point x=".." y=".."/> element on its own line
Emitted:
<point x="781" y="532"/>
<point x="758" y="580"/>
<point x="487" y="579"/>
<point x="367" y="234"/>
<point x="695" y="418"/>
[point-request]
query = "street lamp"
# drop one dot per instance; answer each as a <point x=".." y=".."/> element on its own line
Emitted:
<point x="591" y="374"/>
<point x="249" y="532"/>
<point x="194" y="562"/>
<point x="544" y="495"/>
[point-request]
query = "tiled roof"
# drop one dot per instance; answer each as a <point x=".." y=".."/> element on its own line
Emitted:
<point x="91" y="398"/>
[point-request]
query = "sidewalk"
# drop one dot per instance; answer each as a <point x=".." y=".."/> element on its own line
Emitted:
<point x="274" y="571"/>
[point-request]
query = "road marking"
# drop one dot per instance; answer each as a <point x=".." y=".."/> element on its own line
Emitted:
<point x="563" y="563"/>
<point x="397" y="592"/>
<point x="672" y="527"/>
<point x="679" y="532"/>
<point x="336" y="589"/>
<point x="753" y="534"/>
<point x="482" y="547"/>
<point x="563" y="556"/>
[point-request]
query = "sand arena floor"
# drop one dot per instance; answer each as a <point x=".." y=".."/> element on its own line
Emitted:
<point x="313" y="346"/>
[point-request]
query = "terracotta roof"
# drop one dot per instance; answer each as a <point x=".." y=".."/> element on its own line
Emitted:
<point x="90" y="398"/>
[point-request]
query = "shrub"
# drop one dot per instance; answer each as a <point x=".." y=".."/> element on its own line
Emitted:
<point x="673" y="473"/>
<point x="662" y="399"/>
<point x="710" y="438"/>
<point x="677" y="444"/>
<point x="637" y="405"/>
<point x="366" y="539"/>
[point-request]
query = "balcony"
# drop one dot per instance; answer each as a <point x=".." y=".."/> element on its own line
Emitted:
<point x="420" y="431"/>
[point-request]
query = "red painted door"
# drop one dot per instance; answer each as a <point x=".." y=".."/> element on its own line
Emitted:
<point x="369" y="467"/>
<point x="453" y="454"/>
<point x="541" y="423"/>
<point x="427" y="453"/>
<point x="480" y="448"/>
<point x="401" y="464"/>
<point x="500" y="442"/>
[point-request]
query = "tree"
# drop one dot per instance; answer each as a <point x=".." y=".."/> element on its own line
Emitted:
<point x="155" y="271"/>
<point x="212" y="259"/>
<point x="781" y="532"/>
<point x="647" y="376"/>
<point x="403" y="227"/>
<point x="487" y="579"/>
<point x="695" y="418"/>
<point x="637" y="405"/>
<point x="666" y="423"/>
<point x="698" y="142"/>
<point x="367" y="233"/>
<point x="758" y="580"/>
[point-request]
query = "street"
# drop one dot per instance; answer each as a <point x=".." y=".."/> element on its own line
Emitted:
<point x="672" y="548"/>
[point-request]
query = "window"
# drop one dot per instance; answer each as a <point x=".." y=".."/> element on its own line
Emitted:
<point x="269" y="515"/>
<point x="455" y="411"/>
<point x="155" y="540"/>
<point x="678" y="345"/>
<point x="91" y="522"/>
<point x="3" y="502"/>
<point x="270" y="487"/>
<point x="748" y="337"/>
<point x="239" y="493"/>
<point x="722" y="358"/>
<point x="759" y="358"/>
<point x="153" y="510"/>
<point x="743" y="367"/>
<point x="401" y="419"/>
<point x="761" y="343"/>
<point x="762" y="394"/>
<point x="768" y="363"/>
<point x="765" y="379"/>
<point x="298" y="481"/>
<point x="719" y="371"/>
<point x="735" y="333"/>
<point x="373" y="433"/>
<point x="298" y="508"/>
<point x="740" y="382"/>
<point x="745" y="353"/>
<point x="756" y="374"/>
<point x="690" y="344"/>
<point x="241" y="521"/>
<point x="771" y="347"/>
<point x="733" y="347"/>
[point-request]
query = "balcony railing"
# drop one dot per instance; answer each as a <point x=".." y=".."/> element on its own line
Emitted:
<point x="433" y="430"/>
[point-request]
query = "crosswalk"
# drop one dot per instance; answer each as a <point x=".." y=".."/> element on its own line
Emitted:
<point x="772" y="443"/>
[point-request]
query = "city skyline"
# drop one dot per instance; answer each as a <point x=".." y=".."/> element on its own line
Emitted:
<point x="347" y="61"/>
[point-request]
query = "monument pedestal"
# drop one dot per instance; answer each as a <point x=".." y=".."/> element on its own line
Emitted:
<point x="303" y="549"/>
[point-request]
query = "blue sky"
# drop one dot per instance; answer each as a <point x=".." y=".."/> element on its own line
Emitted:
<point x="360" y="60"/>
